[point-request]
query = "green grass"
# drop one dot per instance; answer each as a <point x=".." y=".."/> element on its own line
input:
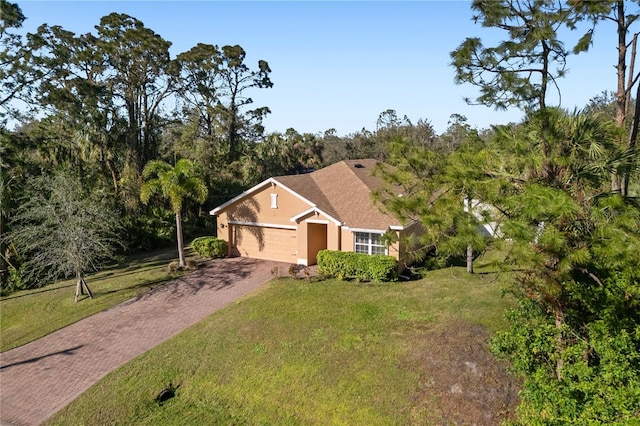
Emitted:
<point x="28" y="315"/>
<point x="298" y="352"/>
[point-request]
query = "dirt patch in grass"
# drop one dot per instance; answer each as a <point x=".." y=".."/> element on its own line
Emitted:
<point x="461" y="378"/>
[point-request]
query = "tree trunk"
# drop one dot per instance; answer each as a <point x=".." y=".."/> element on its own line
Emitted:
<point x="86" y="287"/>
<point x="621" y="95"/>
<point x="114" y="176"/>
<point x="559" y="319"/>
<point x="631" y="73"/>
<point x="542" y="99"/>
<point x="82" y="287"/>
<point x="621" y="66"/>
<point x="469" y="247"/>
<point x="180" y="241"/>
<point x="79" y="289"/>
<point x="633" y="138"/>
<point x="233" y="135"/>
<point x="4" y="264"/>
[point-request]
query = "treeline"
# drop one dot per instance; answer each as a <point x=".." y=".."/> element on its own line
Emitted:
<point x="99" y="107"/>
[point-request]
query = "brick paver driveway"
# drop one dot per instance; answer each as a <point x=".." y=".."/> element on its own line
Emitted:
<point x="40" y="378"/>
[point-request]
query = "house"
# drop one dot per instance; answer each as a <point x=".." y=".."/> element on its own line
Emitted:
<point x="291" y="218"/>
<point x="481" y="211"/>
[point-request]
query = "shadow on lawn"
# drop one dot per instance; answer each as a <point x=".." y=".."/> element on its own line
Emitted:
<point x="212" y="275"/>
<point x="42" y="290"/>
<point x="130" y="270"/>
<point x="102" y="277"/>
<point x="116" y="270"/>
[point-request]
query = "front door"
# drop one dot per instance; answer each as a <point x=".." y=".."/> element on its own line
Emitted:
<point x="316" y="240"/>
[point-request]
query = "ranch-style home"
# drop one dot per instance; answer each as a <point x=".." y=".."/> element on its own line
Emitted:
<point x="291" y="218"/>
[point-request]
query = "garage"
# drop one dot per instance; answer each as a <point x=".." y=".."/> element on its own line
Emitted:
<point x="262" y="242"/>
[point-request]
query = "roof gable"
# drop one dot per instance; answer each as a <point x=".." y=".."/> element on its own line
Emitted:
<point x="253" y="190"/>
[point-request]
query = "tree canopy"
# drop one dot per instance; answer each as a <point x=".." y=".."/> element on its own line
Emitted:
<point x="176" y="184"/>
<point x="61" y="229"/>
<point x="520" y="70"/>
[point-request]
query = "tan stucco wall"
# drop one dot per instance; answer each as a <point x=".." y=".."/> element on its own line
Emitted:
<point x="334" y="234"/>
<point x="257" y="207"/>
<point x="347" y="240"/>
<point x="316" y="232"/>
<point x="395" y="248"/>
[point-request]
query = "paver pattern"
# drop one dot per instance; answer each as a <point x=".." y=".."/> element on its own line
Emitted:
<point x="42" y="377"/>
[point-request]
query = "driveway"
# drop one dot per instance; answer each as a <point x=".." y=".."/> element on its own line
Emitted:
<point x="41" y="377"/>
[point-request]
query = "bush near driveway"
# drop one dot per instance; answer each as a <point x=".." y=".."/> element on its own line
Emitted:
<point x="210" y="247"/>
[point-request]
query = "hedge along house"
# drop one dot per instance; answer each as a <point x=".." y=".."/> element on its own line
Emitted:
<point x="291" y="218"/>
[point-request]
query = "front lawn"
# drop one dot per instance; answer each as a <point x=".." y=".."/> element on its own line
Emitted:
<point x="326" y="352"/>
<point x="28" y="315"/>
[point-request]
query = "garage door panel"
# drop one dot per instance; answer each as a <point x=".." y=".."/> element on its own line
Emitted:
<point x="265" y="243"/>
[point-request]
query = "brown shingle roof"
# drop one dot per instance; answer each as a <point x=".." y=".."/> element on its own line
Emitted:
<point x="343" y="191"/>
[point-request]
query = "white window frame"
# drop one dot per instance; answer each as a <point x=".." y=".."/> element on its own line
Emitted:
<point x="274" y="201"/>
<point x="369" y="244"/>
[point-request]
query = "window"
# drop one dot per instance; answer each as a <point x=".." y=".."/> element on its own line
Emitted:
<point x="369" y="243"/>
<point x="274" y="201"/>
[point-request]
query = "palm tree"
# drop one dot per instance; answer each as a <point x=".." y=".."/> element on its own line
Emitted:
<point x="175" y="183"/>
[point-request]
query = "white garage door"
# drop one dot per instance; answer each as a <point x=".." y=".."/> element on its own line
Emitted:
<point x="264" y="243"/>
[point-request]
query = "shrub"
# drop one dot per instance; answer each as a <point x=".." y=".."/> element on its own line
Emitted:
<point x="148" y="231"/>
<point x="15" y="280"/>
<point x="343" y="265"/>
<point x="192" y="265"/>
<point x="293" y="270"/>
<point x="600" y="383"/>
<point x="173" y="267"/>
<point x="209" y="247"/>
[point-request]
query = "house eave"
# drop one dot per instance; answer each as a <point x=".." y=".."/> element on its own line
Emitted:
<point x="382" y="231"/>
<point x="316" y="210"/>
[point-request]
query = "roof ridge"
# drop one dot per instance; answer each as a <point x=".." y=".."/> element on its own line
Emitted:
<point x="346" y="163"/>
<point x="353" y="172"/>
<point x="349" y="177"/>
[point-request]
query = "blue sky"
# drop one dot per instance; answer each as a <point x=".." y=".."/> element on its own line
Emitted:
<point x="339" y="64"/>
